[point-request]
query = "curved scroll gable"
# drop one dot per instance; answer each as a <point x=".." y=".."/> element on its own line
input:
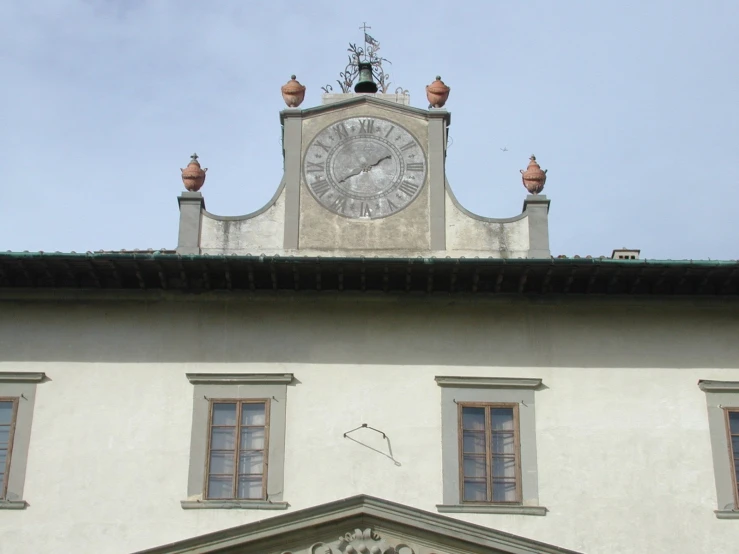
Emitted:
<point x="468" y="234"/>
<point x="471" y="215"/>
<point x="272" y="201"/>
<point x="262" y="230"/>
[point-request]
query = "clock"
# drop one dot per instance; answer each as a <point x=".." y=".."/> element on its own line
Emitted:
<point x="364" y="168"/>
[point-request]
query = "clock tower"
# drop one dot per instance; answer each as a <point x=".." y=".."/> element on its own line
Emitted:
<point x="364" y="175"/>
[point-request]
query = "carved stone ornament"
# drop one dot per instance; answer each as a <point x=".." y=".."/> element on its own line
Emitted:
<point x="437" y="93"/>
<point x="534" y="177"/>
<point x="359" y="542"/>
<point x="193" y="176"/>
<point x="293" y="93"/>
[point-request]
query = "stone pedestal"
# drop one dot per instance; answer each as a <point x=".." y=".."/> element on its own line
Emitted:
<point x="537" y="208"/>
<point x="191" y="204"/>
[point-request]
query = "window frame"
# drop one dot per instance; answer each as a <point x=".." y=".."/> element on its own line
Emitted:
<point x="489" y="390"/>
<point x="11" y="437"/>
<point x="732" y="459"/>
<point x="488" y="452"/>
<point x="19" y="385"/>
<point x="720" y="397"/>
<point x="235" y="387"/>
<point x="265" y="473"/>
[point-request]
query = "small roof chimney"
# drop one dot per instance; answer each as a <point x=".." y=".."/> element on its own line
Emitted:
<point x="625" y="254"/>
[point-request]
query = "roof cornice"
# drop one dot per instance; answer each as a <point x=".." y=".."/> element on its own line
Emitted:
<point x="151" y="271"/>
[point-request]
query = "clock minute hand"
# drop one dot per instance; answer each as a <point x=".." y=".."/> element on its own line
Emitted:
<point x="386" y="157"/>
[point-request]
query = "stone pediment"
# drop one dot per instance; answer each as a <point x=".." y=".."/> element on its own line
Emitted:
<point x="359" y="525"/>
<point x="366" y="99"/>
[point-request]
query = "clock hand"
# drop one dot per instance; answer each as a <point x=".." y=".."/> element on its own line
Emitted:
<point x="387" y="157"/>
<point x="365" y="168"/>
<point x="352" y="174"/>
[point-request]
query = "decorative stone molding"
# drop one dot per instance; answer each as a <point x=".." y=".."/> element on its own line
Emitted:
<point x="232" y="505"/>
<point x="240" y="378"/>
<point x="21" y="377"/>
<point x="727" y="514"/>
<point x="487" y="382"/>
<point x="718" y="386"/>
<point x="492" y="509"/>
<point x="361" y="541"/>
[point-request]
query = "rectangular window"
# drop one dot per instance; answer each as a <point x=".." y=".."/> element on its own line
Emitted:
<point x="732" y="427"/>
<point x="489" y="451"/>
<point x="8" y="411"/>
<point x="238" y="443"/>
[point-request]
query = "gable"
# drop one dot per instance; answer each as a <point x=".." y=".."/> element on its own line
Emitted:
<point x="360" y="524"/>
<point x="369" y="100"/>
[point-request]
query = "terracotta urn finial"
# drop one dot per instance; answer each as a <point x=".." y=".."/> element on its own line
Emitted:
<point x="193" y="176"/>
<point x="534" y="177"/>
<point x="437" y="93"/>
<point x="293" y="92"/>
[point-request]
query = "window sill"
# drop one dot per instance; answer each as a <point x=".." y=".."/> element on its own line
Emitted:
<point x="492" y="509"/>
<point x="232" y="505"/>
<point x="727" y="514"/>
<point x="13" y="504"/>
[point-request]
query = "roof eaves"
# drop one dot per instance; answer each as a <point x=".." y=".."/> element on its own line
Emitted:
<point x="272" y="258"/>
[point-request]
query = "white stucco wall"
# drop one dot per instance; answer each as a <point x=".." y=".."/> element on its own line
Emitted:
<point x="257" y="234"/>
<point x="624" y="455"/>
<point x="264" y="234"/>
<point x="469" y="236"/>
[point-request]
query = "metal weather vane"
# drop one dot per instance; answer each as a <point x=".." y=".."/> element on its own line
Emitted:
<point x="367" y="54"/>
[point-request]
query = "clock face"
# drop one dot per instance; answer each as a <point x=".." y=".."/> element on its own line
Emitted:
<point x="364" y="167"/>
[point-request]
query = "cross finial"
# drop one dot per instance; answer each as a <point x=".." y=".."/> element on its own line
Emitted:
<point x="364" y="28"/>
<point x="194" y="157"/>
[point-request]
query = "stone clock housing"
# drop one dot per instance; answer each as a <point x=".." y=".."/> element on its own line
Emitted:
<point x="365" y="175"/>
<point x="364" y="167"/>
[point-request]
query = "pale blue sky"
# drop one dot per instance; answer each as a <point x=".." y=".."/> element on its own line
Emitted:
<point x="632" y="106"/>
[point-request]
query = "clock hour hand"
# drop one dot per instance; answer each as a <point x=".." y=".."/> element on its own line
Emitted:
<point x="352" y="174"/>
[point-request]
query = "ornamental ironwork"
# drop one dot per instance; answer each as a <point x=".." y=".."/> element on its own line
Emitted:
<point x="369" y="54"/>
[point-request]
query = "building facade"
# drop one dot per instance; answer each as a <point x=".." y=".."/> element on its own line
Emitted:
<point x="366" y="366"/>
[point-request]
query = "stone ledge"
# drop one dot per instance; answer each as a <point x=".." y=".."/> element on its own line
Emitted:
<point x="718" y="386"/>
<point x="21" y="377"/>
<point x="727" y="514"/>
<point x="333" y="97"/>
<point x="13" y="504"/>
<point x="239" y="378"/>
<point x="487" y="382"/>
<point x="232" y="505"/>
<point x="491" y="509"/>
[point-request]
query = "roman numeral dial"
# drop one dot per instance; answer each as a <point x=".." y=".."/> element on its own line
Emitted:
<point x="364" y="168"/>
